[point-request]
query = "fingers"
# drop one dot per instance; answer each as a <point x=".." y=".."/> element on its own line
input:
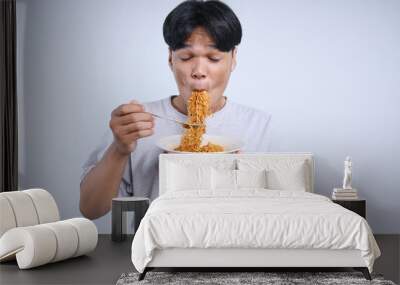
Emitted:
<point x="134" y="118"/>
<point x="139" y="134"/>
<point x="139" y="126"/>
<point x="124" y="109"/>
<point x="129" y="122"/>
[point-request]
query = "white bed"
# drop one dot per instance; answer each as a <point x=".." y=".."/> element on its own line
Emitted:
<point x="247" y="210"/>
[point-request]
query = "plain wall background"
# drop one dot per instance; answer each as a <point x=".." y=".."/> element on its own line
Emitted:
<point x="328" y="72"/>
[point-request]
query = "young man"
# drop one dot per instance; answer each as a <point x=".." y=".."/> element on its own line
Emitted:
<point x="202" y="37"/>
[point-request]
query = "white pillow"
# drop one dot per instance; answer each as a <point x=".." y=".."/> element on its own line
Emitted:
<point x="223" y="179"/>
<point x="235" y="179"/>
<point x="282" y="174"/>
<point x="288" y="179"/>
<point x="181" y="177"/>
<point x="251" y="178"/>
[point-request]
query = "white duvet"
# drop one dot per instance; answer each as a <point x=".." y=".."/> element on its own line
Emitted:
<point x="251" y="218"/>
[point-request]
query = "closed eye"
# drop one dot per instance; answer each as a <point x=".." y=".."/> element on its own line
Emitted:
<point x="186" y="58"/>
<point x="214" y="59"/>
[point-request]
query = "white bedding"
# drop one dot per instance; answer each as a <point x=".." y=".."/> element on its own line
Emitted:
<point x="250" y="218"/>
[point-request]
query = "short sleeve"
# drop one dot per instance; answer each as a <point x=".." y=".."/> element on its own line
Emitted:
<point x="264" y="143"/>
<point x="125" y="188"/>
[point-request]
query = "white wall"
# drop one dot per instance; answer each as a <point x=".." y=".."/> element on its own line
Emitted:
<point x="328" y="71"/>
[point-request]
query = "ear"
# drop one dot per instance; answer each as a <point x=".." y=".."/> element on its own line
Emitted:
<point x="234" y="53"/>
<point x="170" y="58"/>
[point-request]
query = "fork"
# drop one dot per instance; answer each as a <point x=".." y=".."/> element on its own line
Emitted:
<point x="183" y="124"/>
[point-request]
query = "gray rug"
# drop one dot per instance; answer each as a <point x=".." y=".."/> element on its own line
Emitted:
<point x="269" y="278"/>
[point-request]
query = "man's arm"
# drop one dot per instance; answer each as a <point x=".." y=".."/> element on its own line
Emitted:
<point x="101" y="184"/>
<point x="129" y="122"/>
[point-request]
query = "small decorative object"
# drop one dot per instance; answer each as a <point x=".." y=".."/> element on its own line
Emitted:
<point x="347" y="192"/>
<point x="347" y="173"/>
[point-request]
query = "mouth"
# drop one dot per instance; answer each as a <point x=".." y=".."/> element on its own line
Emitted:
<point x="199" y="87"/>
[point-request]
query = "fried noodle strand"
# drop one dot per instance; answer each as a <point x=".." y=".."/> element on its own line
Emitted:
<point x="198" y="110"/>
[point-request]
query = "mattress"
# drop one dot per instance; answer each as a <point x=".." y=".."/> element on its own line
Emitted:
<point x="250" y="219"/>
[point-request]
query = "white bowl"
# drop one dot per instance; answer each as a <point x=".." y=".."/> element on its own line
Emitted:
<point x="230" y="145"/>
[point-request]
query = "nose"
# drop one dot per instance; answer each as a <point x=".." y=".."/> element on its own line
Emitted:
<point x="198" y="75"/>
<point x="199" y="71"/>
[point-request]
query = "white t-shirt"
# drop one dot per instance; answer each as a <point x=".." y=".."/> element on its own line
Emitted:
<point x="140" y="177"/>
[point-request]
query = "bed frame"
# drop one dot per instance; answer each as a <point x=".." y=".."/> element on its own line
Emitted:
<point x="234" y="259"/>
<point x="245" y="259"/>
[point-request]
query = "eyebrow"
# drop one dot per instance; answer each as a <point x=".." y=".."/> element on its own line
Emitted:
<point x="189" y="46"/>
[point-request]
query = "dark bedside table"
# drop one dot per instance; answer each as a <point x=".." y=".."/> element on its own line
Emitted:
<point x="357" y="206"/>
<point x="120" y="206"/>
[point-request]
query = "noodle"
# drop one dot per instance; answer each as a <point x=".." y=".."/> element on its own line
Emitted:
<point x="198" y="110"/>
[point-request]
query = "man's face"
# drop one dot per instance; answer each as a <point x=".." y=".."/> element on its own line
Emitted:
<point x="201" y="66"/>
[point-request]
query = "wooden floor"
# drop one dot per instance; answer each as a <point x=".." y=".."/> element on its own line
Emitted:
<point x="389" y="262"/>
<point x="110" y="260"/>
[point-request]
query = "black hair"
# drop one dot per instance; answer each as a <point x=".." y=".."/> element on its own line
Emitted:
<point x="219" y="21"/>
